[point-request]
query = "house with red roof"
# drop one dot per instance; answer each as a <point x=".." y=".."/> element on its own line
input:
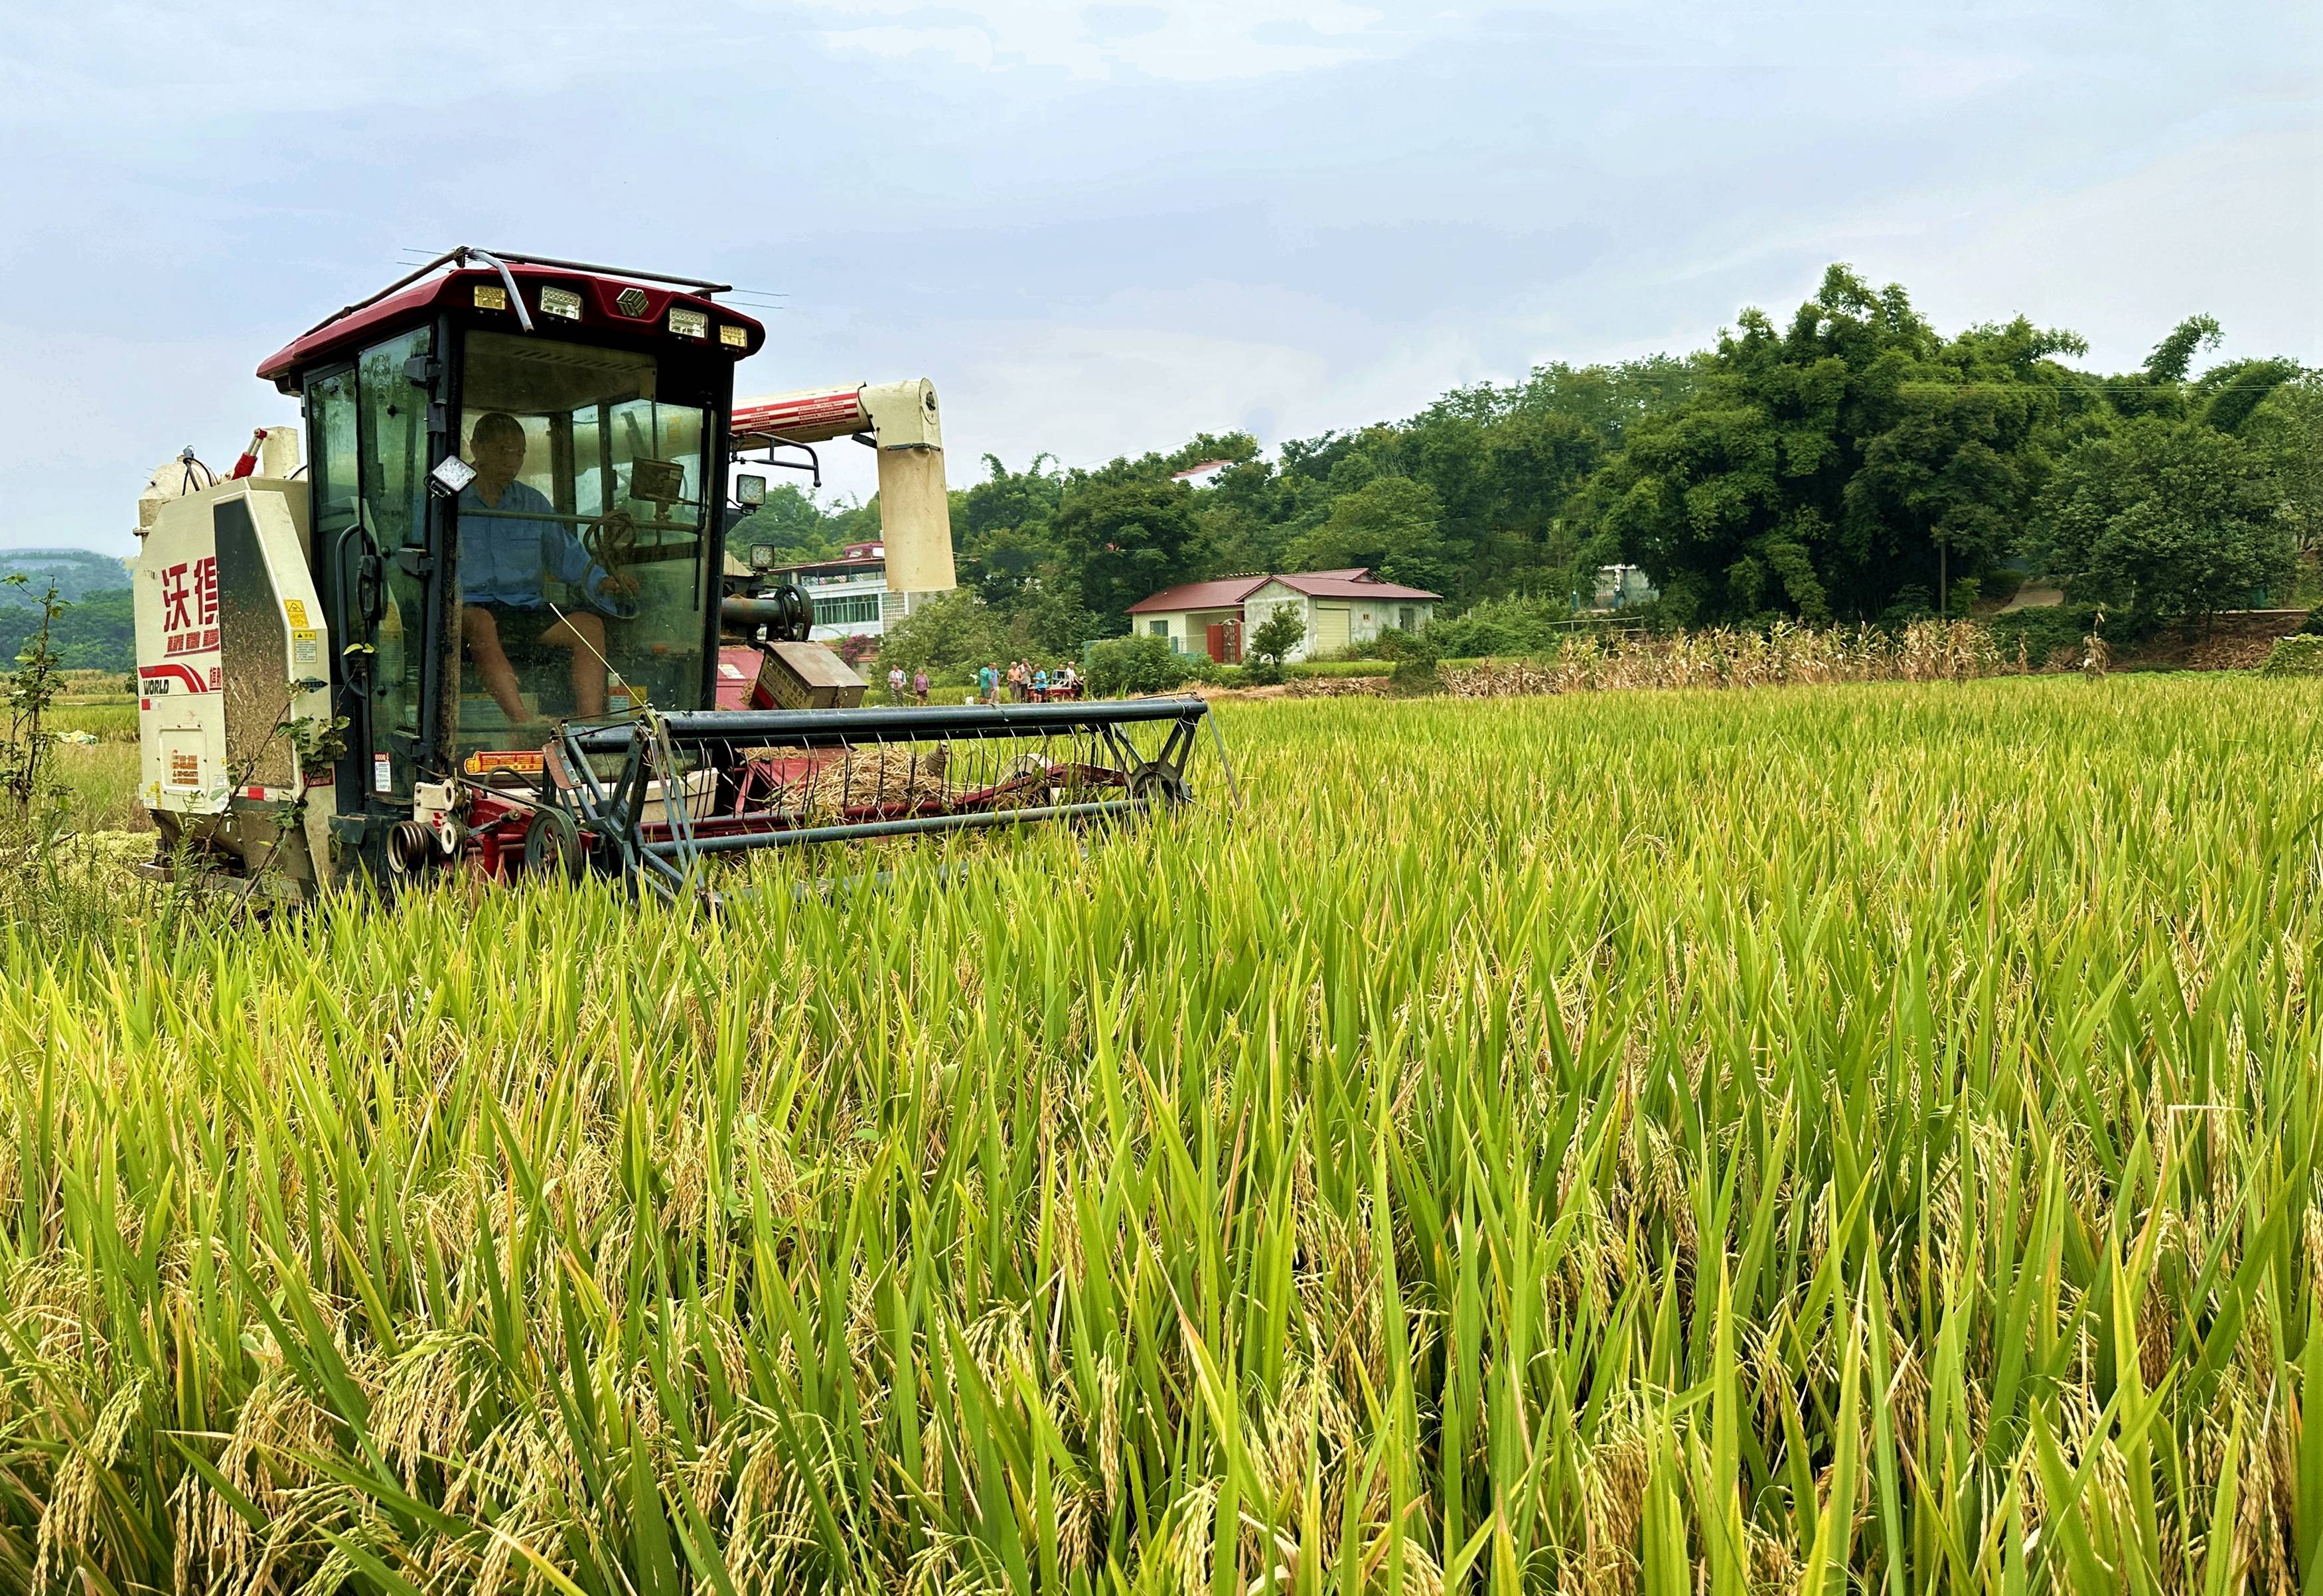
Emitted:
<point x="1339" y="607"/>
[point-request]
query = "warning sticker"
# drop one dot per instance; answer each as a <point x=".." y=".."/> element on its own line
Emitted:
<point x="488" y="760"/>
<point x="295" y="610"/>
<point x="382" y="773"/>
<point x="306" y="645"/>
<point x="185" y="770"/>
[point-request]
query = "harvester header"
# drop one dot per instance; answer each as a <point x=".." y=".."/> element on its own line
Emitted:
<point x="485" y="625"/>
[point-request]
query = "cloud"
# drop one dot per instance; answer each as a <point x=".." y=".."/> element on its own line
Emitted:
<point x="1145" y="369"/>
<point x="1102" y="225"/>
<point x="2211" y="227"/>
<point x="1188" y="42"/>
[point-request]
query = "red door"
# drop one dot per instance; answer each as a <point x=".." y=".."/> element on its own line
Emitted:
<point x="1216" y="641"/>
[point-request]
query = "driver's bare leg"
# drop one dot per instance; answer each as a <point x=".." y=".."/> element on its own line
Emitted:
<point x="481" y="633"/>
<point x="586" y="636"/>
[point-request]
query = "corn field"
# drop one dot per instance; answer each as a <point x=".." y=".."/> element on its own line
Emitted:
<point x="1854" y="1138"/>
<point x="1784" y="655"/>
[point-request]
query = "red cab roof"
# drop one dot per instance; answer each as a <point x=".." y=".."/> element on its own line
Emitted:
<point x="606" y="301"/>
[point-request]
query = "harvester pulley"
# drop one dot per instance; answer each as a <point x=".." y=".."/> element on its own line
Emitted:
<point x="552" y="845"/>
<point x="410" y="847"/>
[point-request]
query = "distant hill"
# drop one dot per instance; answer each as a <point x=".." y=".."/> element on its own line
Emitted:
<point x="98" y="632"/>
<point x="73" y="570"/>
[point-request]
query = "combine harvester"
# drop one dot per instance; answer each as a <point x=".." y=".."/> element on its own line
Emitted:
<point x="484" y="626"/>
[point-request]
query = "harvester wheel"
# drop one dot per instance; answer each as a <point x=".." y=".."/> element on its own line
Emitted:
<point x="1155" y="782"/>
<point x="552" y="847"/>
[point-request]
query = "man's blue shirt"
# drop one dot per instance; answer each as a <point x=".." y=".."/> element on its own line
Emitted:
<point x="503" y="558"/>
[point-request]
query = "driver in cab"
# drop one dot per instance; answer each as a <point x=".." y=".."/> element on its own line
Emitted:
<point x="506" y="543"/>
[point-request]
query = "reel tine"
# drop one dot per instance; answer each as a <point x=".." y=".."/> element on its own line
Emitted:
<point x="827" y="776"/>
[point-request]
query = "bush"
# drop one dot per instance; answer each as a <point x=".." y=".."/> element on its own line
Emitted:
<point x="2300" y="656"/>
<point x="1271" y="643"/>
<point x="1415" y="677"/>
<point x="1513" y="625"/>
<point x="2052" y="626"/>
<point x="1476" y="634"/>
<point x="1210" y="672"/>
<point x="1316" y="669"/>
<point x="1393" y="643"/>
<point x="1416" y="672"/>
<point x="1120" y="665"/>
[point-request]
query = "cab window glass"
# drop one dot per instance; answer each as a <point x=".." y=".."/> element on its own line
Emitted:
<point x="583" y="567"/>
<point x="393" y="431"/>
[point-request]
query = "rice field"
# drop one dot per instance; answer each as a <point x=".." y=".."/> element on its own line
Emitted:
<point x="1833" y="1138"/>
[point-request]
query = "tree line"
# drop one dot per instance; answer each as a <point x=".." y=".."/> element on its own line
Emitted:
<point x="1850" y="464"/>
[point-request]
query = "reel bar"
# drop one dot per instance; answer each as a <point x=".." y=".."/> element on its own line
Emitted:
<point x="836" y="727"/>
<point x="733" y="841"/>
<point x="685" y="789"/>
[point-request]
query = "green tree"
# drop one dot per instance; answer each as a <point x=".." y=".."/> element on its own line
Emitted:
<point x="2228" y="396"/>
<point x="1821" y="469"/>
<point x="98" y="632"/>
<point x="1206" y="447"/>
<point x="1121" y="665"/>
<point x="2159" y="387"/>
<point x="2173" y="357"/>
<point x="1125" y="536"/>
<point x="1608" y="399"/>
<point x="1278" y="635"/>
<point x="25" y="773"/>
<point x="2288" y="429"/>
<point x="1006" y="563"/>
<point x="1007" y="499"/>
<point x="2166" y="519"/>
<point x="789" y="522"/>
<point x="1391" y="525"/>
<point x="956" y="630"/>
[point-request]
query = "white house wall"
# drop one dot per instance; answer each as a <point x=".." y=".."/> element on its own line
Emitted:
<point x="1189" y="629"/>
<point x="1259" y="608"/>
<point x="874" y="587"/>
<point x="1366" y="618"/>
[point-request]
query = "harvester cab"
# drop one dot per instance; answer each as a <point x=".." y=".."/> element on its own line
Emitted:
<point x="489" y="623"/>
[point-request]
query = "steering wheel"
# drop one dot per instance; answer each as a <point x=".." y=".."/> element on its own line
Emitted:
<point x="612" y="542"/>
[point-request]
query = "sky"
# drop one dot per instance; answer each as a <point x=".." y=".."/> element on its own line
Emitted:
<point x="1100" y="228"/>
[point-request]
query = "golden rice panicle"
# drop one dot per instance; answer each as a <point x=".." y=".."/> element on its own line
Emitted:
<point x="1861" y="1131"/>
